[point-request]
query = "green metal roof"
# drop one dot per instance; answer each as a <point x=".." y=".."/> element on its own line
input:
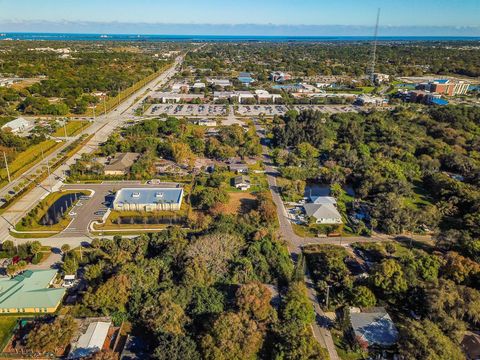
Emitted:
<point x="30" y="290"/>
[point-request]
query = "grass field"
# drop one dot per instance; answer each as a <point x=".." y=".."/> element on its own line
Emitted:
<point x="7" y="324"/>
<point x="239" y="202"/>
<point x="73" y="128"/>
<point x="27" y="158"/>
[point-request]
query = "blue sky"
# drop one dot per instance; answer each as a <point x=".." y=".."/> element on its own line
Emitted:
<point x="450" y="15"/>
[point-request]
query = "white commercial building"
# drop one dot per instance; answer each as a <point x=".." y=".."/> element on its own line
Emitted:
<point x="148" y="199"/>
<point x="18" y="125"/>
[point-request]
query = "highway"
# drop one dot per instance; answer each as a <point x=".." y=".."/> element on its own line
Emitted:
<point x="101" y="128"/>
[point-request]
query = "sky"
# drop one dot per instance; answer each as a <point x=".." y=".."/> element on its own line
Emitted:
<point x="286" y="17"/>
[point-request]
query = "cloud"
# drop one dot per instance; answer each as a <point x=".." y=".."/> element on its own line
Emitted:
<point x="86" y="27"/>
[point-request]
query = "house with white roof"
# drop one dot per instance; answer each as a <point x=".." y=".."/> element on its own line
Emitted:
<point x="91" y="341"/>
<point x="18" y="125"/>
<point x="323" y="209"/>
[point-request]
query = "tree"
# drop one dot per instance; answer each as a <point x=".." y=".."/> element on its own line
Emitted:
<point x="110" y="297"/>
<point x="182" y="153"/>
<point x="215" y="251"/>
<point x="424" y="340"/>
<point x="176" y="347"/>
<point x="65" y="248"/>
<point x="232" y="337"/>
<point x="206" y="300"/>
<point x="164" y="316"/>
<point x="297" y="306"/>
<point x="388" y="277"/>
<point x="294" y="341"/>
<point x="362" y="296"/>
<point x="254" y="299"/>
<point x="9" y="247"/>
<point x="51" y="337"/>
<point x="460" y="269"/>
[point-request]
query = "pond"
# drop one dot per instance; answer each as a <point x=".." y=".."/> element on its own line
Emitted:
<point x="150" y="220"/>
<point x="57" y="210"/>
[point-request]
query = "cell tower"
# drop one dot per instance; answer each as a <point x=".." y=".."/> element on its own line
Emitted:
<point x="374" y="51"/>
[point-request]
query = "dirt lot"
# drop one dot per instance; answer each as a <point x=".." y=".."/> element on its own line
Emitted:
<point x="240" y="202"/>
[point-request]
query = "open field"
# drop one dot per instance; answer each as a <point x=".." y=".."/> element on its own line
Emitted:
<point x="73" y="128"/>
<point x="239" y="202"/>
<point x="27" y="158"/>
<point x="7" y="324"/>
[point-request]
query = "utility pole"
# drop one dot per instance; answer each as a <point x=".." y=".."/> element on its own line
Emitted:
<point x="65" y="129"/>
<point x="6" y="166"/>
<point x="374" y="51"/>
<point x="328" y="295"/>
<point x="48" y="170"/>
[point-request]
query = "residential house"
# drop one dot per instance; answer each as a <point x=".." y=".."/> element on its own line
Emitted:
<point x="242" y="182"/>
<point x="323" y="209"/>
<point x="239" y="168"/>
<point x="30" y="292"/>
<point x="373" y="328"/>
<point x="91" y="341"/>
<point x="120" y="164"/>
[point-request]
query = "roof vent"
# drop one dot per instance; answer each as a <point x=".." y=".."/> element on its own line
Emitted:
<point x="159" y="195"/>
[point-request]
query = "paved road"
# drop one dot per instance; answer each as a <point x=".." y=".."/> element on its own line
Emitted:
<point x="101" y="128"/>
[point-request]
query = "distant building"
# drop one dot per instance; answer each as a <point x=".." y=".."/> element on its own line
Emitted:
<point x="280" y="76"/>
<point x="91" y="341"/>
<point x="380" y="78"/>
<point x="365" y="100"/>
<point x="373" y="327"/>
<point x="30" y="292"/>
<point x="180" y="88"/>
<point x="447" y="87"/>
<point x="120" y="164"/>
<point x="148" y="199"/>
<point x="206" y="122"/>
<point x="265" y="96"/>
<point x="242" y="182"/>
<point x="245" y="78"/>
<point x="198" y="85"/>
<point x="177" y="97"/>
<point x="244" y="95"/>
<point x="239" y="168"/>
<point x="220" y="82"/>
<point x="18" y="125"/>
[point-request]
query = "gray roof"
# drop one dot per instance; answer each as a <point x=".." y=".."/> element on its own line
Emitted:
<point x="149" y="196"/>
<point x="241" y="180"/>
<point x="122" y="161"/>
<point x="322" y="211"/>
<point x="375" y="327"/>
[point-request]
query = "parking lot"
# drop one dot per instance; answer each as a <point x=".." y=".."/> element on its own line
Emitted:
<point x="331" y="109"/>
<point x="187" y="110"/>
<point x="94" y="207"/>
<point x="256" y="110"/>
<point x="212" y="110"/>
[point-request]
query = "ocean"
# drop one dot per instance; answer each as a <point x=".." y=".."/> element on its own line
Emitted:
<point x="219" y="38"/>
